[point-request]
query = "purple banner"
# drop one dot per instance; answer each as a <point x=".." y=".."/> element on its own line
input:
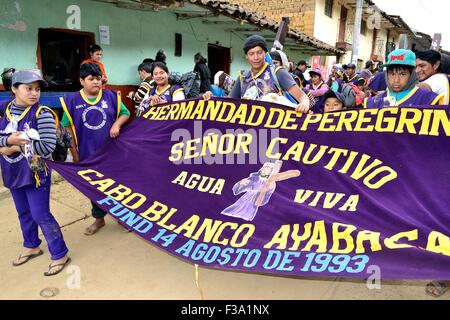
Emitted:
<point x="253" y="186"/>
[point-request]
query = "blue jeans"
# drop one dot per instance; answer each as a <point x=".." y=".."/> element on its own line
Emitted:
<point x="33" y="207"/>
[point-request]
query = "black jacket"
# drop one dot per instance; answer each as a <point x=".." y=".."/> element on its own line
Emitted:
<point x="205" y="74"/>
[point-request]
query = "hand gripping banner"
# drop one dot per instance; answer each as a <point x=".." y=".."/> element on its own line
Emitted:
<point x="253" y="186"/>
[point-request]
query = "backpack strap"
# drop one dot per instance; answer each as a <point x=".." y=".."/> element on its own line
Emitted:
<point x="41" y="108"/>
<point x="119" y="102"/>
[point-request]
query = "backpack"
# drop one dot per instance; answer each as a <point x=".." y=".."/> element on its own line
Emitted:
<point x="63" y="137"/>
<point x="190" y="81"/>
<point x="354" y="97"/>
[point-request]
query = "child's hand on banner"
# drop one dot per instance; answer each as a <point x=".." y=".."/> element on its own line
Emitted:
<point x="114" y="131"/>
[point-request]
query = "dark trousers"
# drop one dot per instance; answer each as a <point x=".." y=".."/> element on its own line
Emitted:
<point x="33" y="207"/>
<point x="97" y="213"/>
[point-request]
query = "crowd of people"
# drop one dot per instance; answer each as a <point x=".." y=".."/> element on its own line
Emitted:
<point x="406" y="79"/>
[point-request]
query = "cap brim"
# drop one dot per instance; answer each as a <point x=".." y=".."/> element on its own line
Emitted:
<point x="42" y="83"/>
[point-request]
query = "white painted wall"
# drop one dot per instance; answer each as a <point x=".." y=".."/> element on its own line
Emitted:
<point x="326" y="29"/>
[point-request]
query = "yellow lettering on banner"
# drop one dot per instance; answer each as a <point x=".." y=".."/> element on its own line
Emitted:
<point x="231" y="107"/>
<point x="176" y="152"/>
<point x="299" y="238"/>
<point x="141" y="199"/>
<point x="409" y="123"/>
<point x="185" y="110"/>
<point x="318" y="238"/>
<point x="390" y="176"/>
<point x="392" y="242"/>
<point x="426" y="119"/>
<point x="240" y="114"/>
<point x="349" y="162"/>
<point x="345" y="235"/>
<point x="289" y="118"/>
<point x="326" y="120"/>
<point x="153" y="112"/>
<point x="269" y="151"/>
<point x="172" y="114"/>
<point x="188" y="226"/>
<point x="247" y="230"/>
<point x="84" y="173"/>
<point x="317" y="157"/>
<point x="198" y="111"/>
<point x="259" y="121"/>
<point x="361" y="170"/>
<point x="382" y="119"/>
<point x="156" y="210"/>
<point x="347" y="121"/>
<point x="191" y="148"/>
<point x="280" y="237"/>
<point x="440" y="117"/>
<point x="310" y="119"/>
<point x="336" y="155"/>
<point x="243" y="141"/>
<point x="279" y="118"/>
<point x="180" y="178"/>
<point x="372" y="237"/>
<point x="363" y="120"/>
<point x="302" y="195"/>
<point x="296" y="150"/>
<point x="212" y="110"/>
<point x="207" y="229"/>
<point x="439" y="243"/>
<point x="351" y="203"/>
<point x="210" y="143"/>
<point x="118" y="193"/>
<point x="231" y="225"/>
<point x="218" y="187"/>
<point x="162" y="112"/>
<point x="103" y="185"/>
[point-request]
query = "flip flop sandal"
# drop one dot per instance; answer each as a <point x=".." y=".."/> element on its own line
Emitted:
<point x="436" y="288"/>
<point x="62" y="265"/>
<point x="27" y="258"/>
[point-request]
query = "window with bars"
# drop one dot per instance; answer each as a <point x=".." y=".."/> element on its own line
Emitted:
<point x="329" y="8"/>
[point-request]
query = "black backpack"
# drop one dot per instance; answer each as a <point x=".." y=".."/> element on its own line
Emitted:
<point x="190" y="81"/>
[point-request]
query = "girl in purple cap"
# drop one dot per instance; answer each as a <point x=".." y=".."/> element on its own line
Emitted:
<point x="27" y="136"/>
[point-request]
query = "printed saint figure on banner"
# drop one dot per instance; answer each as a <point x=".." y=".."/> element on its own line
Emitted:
<point x="258" y="188"/>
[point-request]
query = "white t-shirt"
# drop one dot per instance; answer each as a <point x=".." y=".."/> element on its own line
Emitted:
<point x="439" y="84"/>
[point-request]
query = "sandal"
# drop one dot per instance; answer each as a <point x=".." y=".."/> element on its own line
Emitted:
<point x="60" y="265"/>
<point x="27" y="258"/>
<point x="436" y="288"/>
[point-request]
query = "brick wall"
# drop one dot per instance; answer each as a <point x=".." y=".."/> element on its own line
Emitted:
<point x="300" y="12"/>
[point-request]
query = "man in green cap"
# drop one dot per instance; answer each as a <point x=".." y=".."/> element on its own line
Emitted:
<point x="401" y="79"/>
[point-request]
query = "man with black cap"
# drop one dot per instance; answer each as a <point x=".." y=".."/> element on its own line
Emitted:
<point x="260" y="80"/>
<point x="300" y="70"/>
<point x="350" y="69"/>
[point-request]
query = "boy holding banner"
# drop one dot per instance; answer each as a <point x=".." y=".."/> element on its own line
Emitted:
<point x="93" y="117"/>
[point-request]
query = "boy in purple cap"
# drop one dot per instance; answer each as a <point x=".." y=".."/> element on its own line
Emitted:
<point x="28" y="135"/>
<point x="401" y="80"/>
<point x="93" y="117"/>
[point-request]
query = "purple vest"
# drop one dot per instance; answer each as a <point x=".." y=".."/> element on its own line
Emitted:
<point x="15" y="170"/>
<point x="91" y="122"/>
<point x="378" y="82"/>
<point x="256" y="87"/>
<point x="354" y="80"/>
<point x="320" y="100"/>
<point x="419" y="97"/>
<point x="167" y="94"/>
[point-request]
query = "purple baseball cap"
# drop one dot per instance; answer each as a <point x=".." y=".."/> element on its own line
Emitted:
<point x="27" y="76"/>
<point x="316" y="71"/>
